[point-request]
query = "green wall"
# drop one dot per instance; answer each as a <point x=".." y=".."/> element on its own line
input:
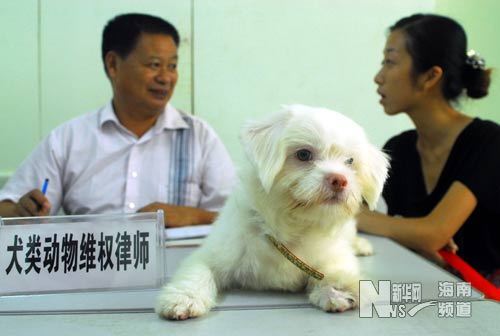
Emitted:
<point x="19" y="94"/>
<point x="51" y="65"/>
<point x="481" y="21"/>
<point x="250" y="59"/>
<point x="238" y="60"/>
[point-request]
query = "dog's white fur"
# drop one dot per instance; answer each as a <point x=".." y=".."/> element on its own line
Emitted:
<point x="293" y="201"/>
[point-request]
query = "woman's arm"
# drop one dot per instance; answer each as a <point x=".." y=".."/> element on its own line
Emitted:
<point x="425" y="234"/>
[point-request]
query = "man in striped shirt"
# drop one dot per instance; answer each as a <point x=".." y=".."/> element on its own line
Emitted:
<point x="138" y="152"/>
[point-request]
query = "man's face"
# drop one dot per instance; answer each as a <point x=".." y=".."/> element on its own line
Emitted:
<point x="144" y="81"/>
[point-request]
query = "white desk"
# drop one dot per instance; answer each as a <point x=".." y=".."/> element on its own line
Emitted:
<point x="248" y="313"/>
<point x="290" y="322"/>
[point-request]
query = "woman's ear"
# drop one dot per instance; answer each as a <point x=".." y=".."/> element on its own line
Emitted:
<point x="432" y="78"/>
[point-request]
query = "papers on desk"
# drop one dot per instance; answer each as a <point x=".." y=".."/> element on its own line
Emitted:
<point x="187" y="235"/>
<point x="190" y="242"/>
<point x="193" y="231"/>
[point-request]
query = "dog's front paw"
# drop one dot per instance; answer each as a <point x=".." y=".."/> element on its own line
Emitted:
<point x="362" y="246"/>
<point x="181" y="306"/>
<point x="331" y="299"/>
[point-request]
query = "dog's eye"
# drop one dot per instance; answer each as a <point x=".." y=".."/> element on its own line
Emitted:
<point x="349" y="161"/>
<point x="304" y="155"/>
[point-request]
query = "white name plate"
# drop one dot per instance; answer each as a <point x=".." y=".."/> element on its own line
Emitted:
<point x="78" y="253"/>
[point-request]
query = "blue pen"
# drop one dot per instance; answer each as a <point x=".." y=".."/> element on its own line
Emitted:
<point x="45" y="185"/>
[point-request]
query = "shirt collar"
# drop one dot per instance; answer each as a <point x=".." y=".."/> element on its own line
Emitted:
<point x="108" y="115"/>
<point x="170" y="119"/>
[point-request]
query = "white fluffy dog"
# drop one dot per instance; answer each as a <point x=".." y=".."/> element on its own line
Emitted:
<point x="310" y="170"/>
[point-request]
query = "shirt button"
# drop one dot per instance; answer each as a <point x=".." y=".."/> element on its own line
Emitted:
<point x="134" y="174"/>
<point x="131" y="205"/>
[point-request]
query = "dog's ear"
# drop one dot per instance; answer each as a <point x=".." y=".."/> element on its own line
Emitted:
<point x="372" y="174"/>
<point x="261" y="141"/>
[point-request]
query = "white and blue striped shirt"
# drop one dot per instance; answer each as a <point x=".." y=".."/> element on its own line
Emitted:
<point x="95" y="165"/>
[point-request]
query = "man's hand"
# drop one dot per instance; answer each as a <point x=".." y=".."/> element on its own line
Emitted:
<point x="176" y="215"/>
<point x="33" y="203"/>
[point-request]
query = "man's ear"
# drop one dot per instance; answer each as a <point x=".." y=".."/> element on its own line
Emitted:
<point x="111" y="63"/>
<point x="264" y="148"/>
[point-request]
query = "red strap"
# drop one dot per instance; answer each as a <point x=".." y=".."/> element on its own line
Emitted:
<point x="469" y="274"/>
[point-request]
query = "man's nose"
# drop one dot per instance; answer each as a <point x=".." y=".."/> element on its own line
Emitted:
<point x="164" y="76"/>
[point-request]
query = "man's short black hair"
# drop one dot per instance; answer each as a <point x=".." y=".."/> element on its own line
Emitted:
<point x="122" y="32"/>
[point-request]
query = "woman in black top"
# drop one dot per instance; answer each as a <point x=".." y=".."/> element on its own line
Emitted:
<point x="444" y="181"/>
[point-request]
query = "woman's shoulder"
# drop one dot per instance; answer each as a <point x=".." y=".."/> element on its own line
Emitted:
<point x="402" y="141"/>
<point x="486" y="125"/>
<point x="481" y="131"/>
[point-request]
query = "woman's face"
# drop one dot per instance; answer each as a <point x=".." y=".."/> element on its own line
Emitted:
<point x="396" y="87"/>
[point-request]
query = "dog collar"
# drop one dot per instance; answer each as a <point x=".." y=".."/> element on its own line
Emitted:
<point x="295" y="260"/>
